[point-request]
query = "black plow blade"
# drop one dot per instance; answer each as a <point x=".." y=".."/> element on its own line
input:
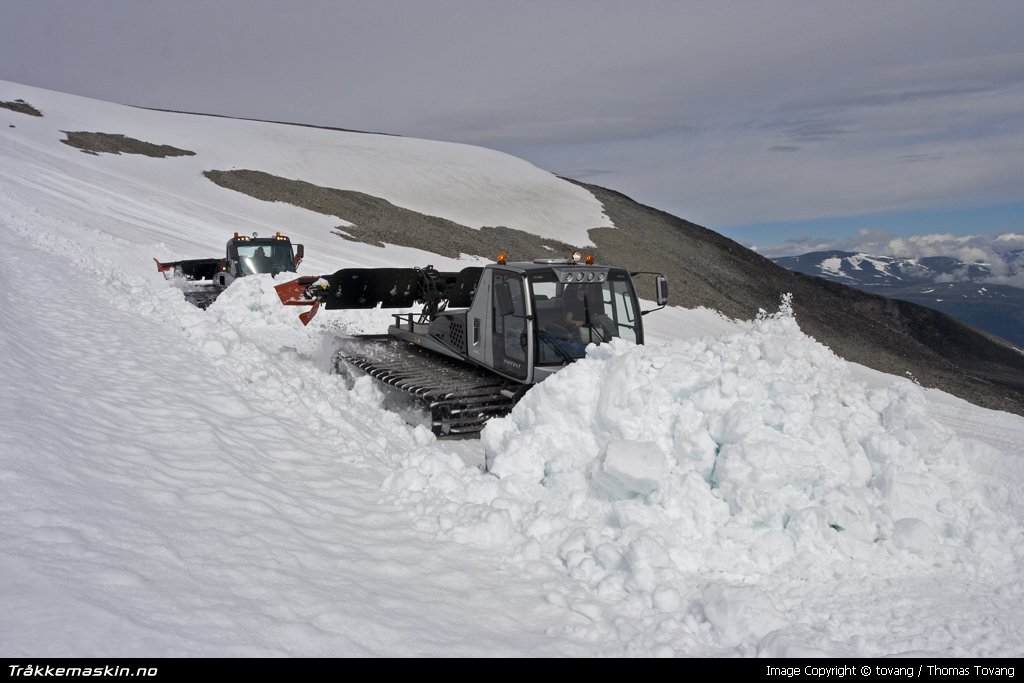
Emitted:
<point x="370" y="287"/>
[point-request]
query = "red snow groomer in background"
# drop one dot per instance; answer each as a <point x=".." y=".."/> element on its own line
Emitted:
<point x="202" y="280"/>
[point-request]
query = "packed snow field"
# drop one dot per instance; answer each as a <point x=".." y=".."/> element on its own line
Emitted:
<point x="179" y="482"/>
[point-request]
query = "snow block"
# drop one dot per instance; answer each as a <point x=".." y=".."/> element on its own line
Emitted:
<point x="628" y="469"/>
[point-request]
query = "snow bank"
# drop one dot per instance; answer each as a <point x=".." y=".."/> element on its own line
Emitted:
<point x="640" y="470"/>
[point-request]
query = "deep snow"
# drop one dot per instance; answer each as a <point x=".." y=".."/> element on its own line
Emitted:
<point x="178" y="482"/>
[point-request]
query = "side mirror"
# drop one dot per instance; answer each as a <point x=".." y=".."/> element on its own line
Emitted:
<point x="661" y="289"/>
<point x="299" y="253"/>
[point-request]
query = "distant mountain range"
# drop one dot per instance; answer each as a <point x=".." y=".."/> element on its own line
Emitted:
<point x="957" y="288"/>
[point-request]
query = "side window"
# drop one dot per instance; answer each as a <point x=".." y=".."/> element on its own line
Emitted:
<point x="625" y="314"/>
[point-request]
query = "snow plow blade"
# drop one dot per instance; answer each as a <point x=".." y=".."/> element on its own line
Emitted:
<point x="352" y="288"/>
<point x="372" y="287"/>
<point x="301" y="291"/>
<point x="190" y="269"/>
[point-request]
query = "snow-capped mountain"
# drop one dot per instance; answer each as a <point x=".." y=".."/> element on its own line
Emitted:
<point x="866" y="270"/>
<point x="973" y="292"/>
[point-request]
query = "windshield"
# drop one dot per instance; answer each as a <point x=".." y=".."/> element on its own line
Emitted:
<point x="265" y="256"/>
<point x="571" y="316"/>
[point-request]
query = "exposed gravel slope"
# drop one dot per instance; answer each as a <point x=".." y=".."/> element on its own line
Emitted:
<point x="116" y="143"/>
<point x="378" y="222"/>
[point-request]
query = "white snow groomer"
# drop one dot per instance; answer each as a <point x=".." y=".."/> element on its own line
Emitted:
<point x="485" y="334"/>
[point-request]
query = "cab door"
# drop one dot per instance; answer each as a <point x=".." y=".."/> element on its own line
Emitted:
<point x="511" y="326"/>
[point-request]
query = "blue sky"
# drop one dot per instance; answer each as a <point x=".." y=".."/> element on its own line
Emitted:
<point x="766" y="121"/>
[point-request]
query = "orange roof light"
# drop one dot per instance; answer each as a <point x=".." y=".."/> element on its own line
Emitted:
<point x="501" y="258"/>
<point x="236" y="235"/>
<point x="589" y="260"/>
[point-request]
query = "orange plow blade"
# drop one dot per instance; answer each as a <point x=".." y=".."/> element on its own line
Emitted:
<point x="296" y="293"/>
<point x="308" y="315"/>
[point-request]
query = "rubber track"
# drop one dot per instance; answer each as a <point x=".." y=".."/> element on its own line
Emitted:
<point x="460" y="397"/>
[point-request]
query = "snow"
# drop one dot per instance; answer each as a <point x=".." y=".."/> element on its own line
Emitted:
<point x="833" y="266"/>
<point x="185" y="483"/>
<point x="880" y="264"/>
